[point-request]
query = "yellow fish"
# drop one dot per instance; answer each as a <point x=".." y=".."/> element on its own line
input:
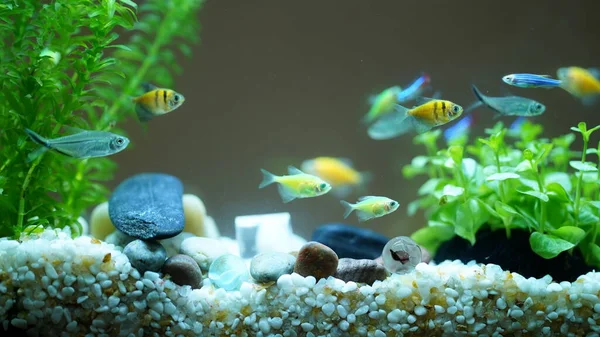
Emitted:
<point x="295" y="185"/>
<point x="156" y="101"/>
<point x="581" y="83"/>
<point x="338" y="172"/>
<point x="428" y="114"/>
<point x="370" y="207"/>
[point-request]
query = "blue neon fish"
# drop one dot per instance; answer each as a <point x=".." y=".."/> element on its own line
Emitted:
<point x="531" y="81"/>
<point x="459" y="128"/>
<point x="415" y="89"/>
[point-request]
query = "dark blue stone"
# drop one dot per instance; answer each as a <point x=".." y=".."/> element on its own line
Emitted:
<point x="148" y="206"/>
<point x="350" y="241"/>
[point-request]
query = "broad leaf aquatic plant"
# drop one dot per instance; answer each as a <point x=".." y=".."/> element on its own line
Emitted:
<point x="511" y="180"/>
<point x="64" y="64"/>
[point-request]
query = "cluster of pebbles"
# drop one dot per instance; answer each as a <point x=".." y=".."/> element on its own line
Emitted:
<point x="160" y="269"/>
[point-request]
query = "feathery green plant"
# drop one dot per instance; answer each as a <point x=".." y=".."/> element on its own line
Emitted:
<point x="61" y="67"/>
<point x="515" y="180"/>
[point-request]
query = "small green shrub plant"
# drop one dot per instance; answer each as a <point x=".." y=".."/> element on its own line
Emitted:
<point x="511" y="180"/>
<point x="64" y="64"/>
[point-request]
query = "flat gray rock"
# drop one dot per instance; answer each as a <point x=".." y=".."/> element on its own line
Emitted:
<point x="148" y="206"/>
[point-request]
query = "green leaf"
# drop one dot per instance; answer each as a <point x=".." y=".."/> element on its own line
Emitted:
<point x="456" y="153"/>
<point x="502" y="176"/>
<point x="452" y="191"/>
<point x="556" y="191"/>
<point x="595" y="253"/>
<point x="431" y="237"/>
<point x="429" y="186"/>
<point x="548" y="246"/>
<point x="505" y="210"/>
<point x="586" y="217"/>
<point x="569" y="233"/>
<point x="583" y="166"/>
<point x="537" y="194"/>
<point x="470" y="216"/>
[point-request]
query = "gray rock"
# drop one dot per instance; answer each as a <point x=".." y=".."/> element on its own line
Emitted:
<point x="145" y="255"/>
<point x="148" y="206"/>
<point x="173" y="245"/>
<point x="266" y="267"/>
<point x="203" y="250"/>
<point x="183" y="271"/>
<point x="363" y="270"/>
<point x="119" y="239"/>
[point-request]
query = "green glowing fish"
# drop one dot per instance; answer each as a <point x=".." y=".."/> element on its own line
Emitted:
<point x="83" y="144"/>
<point x="370" y="207"/>
<point x="295" y="185"/>
<point x="382" y="103"/>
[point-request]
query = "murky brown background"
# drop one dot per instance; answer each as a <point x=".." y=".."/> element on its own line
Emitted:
<point x="276" y="82"/>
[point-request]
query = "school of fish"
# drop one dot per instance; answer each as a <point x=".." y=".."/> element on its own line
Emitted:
<point x="388" y="117"/>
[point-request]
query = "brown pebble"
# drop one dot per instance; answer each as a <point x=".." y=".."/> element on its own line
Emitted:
<point x="316" y="259"/>
<point x="183" y="270"/>
<point x="106" y="258"/>
<point x="363" y="271"/>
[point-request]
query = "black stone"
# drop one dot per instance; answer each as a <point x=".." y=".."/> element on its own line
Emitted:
<point x="514" y="255"/>
<point x="350" y="241"/>
<point x="148" y="206"/>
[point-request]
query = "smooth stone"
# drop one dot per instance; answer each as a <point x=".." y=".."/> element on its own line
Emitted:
<point x="228" y="272"/>
<point x="266" y="267"/>
<point x="211" y="230"/>
<point x="148" y="206"/>
<point x="195" y="216"/>
<point x="85" y="226"/>
<point x="363" y="270"/>
<point x="203" y="250"/>
<point x="145" y="255"/>
<point x="100" y="224"/>
<point x="118" y="239"/>
<point x="183" y="271"/>
<point x="173" y="245"/>
<point x="316" y="259"/>
<point x="350" y="241"/>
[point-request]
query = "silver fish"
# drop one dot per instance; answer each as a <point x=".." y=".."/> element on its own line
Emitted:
<point x="83" y="144"/>
<point x="508" y="105"/>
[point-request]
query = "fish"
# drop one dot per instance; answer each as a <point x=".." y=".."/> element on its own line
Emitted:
<point x="508" y="105"/>
<point x="82" y="144"/>
<point x="338" y="172"/>
<point x="415" y="89"/>
<point x="459" y="128"/>
<point x="422" y="118"/>
<point x="156" y="102"/>
<point x="531" y="81"/>
<point x="581" y="83"/>
<point x="382" y="103"/>
<point x="296" y="184"/>
<point x="370" y="207"/>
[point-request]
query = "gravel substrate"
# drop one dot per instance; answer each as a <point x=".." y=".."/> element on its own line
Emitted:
<point x="53" y="285"/>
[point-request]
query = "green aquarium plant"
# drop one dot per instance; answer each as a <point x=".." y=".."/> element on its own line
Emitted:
<point x="76" y="64"/>
<point x="511" y="181"/>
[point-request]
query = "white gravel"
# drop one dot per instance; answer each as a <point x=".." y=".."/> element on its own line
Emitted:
<point x="53" y="285"/>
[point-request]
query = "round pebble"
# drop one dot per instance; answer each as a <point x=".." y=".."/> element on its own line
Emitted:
<point x="401" y="254"/>
<point x="203" y="250"/>
<point x="316" y="259"/>
<point x="118" y="238"/>
<point x="145" y="255"/>
<point x="363" y="270"/>
<point x="228" y="272"/>
<point x="194" y="213"/>
<point x="266" y="267"/>
<point x="183" y="271"/>
<point x="173" y="245"/>
<point x="100" y="223"/>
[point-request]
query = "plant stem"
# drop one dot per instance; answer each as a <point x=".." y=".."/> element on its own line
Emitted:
<point x="579" y="181"/>
<point x="28" y="177"/>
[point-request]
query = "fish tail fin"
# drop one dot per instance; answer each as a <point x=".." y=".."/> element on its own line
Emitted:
<point x="268" y="178"/>
<point x="36" y="137"/>
<point x="478" y="93"/>
<point x="348" y="208"/>
<point x="392" y="124"/>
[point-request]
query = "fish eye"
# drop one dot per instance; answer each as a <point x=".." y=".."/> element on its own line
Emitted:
<point x="120" y="141"/>
<point x="393" y="203"/>
<point x="176" y="98"/>
<point x="323" y="186"/>
<point x="455" y="109"/>
<point x="538" y="107"/>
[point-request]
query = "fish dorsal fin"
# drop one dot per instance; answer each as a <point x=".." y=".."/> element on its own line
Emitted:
<point x="294" y="170"/>
<point x="422" y="100"/>
<point x="346" y="161"/>
<point x="367" y="197"/>
<point x="148" y="87"/>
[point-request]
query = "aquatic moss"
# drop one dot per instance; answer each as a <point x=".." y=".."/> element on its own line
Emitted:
<point x="511" y="180"/>
<point x="65" y="64"/>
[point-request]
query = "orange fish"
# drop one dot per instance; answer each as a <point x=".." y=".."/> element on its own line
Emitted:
<point x="581" y="83"/>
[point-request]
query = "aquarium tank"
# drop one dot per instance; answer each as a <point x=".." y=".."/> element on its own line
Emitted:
<point x="230" y="168"/>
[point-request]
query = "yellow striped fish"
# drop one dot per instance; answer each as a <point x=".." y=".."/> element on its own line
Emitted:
<point x="156" y="101"/>
<point x="422" y="118"/>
